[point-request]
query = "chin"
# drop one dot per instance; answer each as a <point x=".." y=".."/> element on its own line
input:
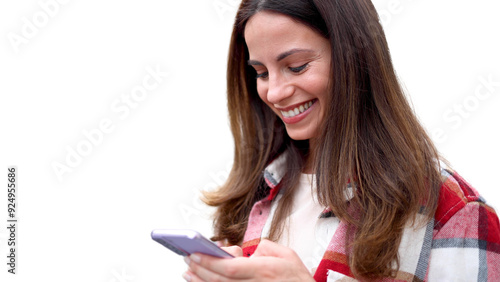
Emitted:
<point x="300" y="134"/>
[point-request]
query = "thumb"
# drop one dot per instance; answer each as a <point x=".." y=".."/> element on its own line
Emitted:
<point x="267" y="248"/>
<point x="236" y="251"/>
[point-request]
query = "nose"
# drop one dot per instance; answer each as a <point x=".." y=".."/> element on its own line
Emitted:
<point x="278" y="88"/>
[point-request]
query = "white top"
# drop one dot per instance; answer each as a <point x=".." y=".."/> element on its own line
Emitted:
<point x="302" y="232"/>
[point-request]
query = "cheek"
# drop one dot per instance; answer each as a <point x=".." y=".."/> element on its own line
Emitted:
<point x="317" y="85"/>
<point x="262" y="92"/>
<point x="319" y="81"/>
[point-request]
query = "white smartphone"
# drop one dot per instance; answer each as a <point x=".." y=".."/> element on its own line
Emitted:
<point x="185" y="242"/>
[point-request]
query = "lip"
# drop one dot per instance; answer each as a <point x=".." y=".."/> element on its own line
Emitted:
<point x="299" y="117"/>
<point x="295" y="105"/>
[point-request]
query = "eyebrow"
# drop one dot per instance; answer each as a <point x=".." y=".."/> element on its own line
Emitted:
<point x="281" y="56"/>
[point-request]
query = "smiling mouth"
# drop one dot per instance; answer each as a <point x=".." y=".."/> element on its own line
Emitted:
<point x="297" y="110"/>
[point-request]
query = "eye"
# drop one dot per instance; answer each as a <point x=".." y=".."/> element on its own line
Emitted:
<point x="262" y="75"/>
<point x="299" y="69"/>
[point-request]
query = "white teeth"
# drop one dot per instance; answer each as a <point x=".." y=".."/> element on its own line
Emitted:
<point x="298" y="110"/>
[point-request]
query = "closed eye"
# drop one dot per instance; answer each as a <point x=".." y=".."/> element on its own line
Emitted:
<point x="265" y="75"/>
<point x="262" y="75"/>
<point x="299" y="69"/>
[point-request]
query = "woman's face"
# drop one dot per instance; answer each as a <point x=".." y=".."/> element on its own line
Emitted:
<point x="292" y="62"/>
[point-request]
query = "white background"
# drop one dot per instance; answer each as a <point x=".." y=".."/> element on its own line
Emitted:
<point x="63" y="78"/>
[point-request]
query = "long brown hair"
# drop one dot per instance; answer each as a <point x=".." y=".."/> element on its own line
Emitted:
<point x="370" y="136"/>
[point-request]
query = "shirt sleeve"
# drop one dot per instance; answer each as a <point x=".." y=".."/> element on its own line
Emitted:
<point x="467" y="246"/>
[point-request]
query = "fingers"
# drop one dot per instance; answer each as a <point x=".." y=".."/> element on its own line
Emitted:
<point x="287" y="267"/>
<point x="196" y="273"/>
<point x="209" y="268"/>
<point x="268" y="248"/>
<point x="191" y="275"/>
<point x="235" y="251"/>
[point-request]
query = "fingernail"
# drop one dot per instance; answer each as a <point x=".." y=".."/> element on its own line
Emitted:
<point x="187" y="260"/>
<point x="195" y="258"/>
<point x="186" y="276"/>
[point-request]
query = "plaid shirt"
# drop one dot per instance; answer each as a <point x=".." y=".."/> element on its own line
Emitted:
<point x="461" y="243"/>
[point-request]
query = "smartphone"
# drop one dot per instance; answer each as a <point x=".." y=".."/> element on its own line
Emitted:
<point x="185" y="242"/>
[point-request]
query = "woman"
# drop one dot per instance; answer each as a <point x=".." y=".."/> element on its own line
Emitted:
<point x="330" y="162"/>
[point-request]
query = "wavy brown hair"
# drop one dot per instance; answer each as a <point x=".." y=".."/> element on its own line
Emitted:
<point x="369" y="136"/>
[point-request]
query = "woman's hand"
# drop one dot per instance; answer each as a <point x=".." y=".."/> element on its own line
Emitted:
<point x="270" y="262"/>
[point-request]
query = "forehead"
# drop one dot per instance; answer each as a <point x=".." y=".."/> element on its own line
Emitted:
<point x="270" y="31"/>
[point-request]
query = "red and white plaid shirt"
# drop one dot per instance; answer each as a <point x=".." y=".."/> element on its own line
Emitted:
<point x="461" y="243"/>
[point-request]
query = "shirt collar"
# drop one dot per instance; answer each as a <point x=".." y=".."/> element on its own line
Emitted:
<point x="274" y="172"/>
<point x="276" y="169"/>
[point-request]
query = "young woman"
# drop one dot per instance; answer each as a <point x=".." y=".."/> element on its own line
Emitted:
<point x="331" y="164"/>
